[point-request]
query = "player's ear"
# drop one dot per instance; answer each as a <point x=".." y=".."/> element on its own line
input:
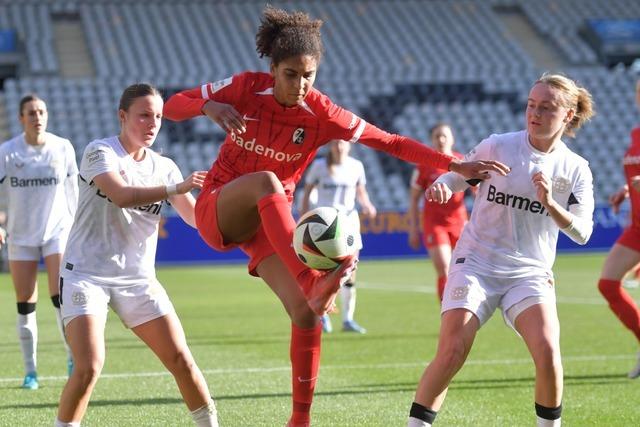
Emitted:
<point x="272" y="69"/>
<point x="570" y="114"/>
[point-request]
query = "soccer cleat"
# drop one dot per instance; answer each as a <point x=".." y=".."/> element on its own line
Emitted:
<point x="635" y="372"/>
<point x="69" y="366"/>
<point x="326" y="324"/>
<point x="30" y="381"/>
<point x="352" y="326"/>
<point x="323" y="290"/>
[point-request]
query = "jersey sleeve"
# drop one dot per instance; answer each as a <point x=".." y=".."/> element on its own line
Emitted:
<point x="581" y="206"/>
<point x="98" y="159"/>
<point x="72" y="166"/>
<point x="343" y="124"/>
<point x="362" y="176"/>
<point x="174" y="176"/>
<point x="188" y="104"/>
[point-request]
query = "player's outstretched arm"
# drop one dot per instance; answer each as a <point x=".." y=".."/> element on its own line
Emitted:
<point x="112" y="185"/>
<point x="479" y="169"/>
<point x="185" y="203"/>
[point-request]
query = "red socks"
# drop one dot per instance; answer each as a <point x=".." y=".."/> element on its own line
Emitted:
<point x="621" y="304"/>
<point x="442" y="280"/>
<point x="305" y="363"/>
<point x="278" y="225"/>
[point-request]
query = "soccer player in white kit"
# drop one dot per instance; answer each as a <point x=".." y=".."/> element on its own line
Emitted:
<point x="505" y="254"/>
<point x="39" y="186"/>
<point x="110" y="257"/>
<point x="339" y="180"/>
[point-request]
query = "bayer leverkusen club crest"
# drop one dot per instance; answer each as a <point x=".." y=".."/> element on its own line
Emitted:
<point x="298" y="136"/>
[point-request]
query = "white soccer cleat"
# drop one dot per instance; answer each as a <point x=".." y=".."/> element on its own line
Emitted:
<point x="635" y="372"/>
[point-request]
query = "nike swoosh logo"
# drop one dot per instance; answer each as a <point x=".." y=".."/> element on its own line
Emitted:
<point x="249" y="119"/>
<point x="302" y="380"/>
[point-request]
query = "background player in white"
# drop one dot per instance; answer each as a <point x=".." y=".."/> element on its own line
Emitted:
<point x="39" y="187"/>
<point x="339" y="180"/>
<point x="505" y="254"/>
<point x="110" y="257"/>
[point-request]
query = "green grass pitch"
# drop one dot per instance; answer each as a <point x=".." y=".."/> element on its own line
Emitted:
<point x="239" y="335"/>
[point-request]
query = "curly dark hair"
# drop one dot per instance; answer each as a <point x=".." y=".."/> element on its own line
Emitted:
<point x="282" y="35"/>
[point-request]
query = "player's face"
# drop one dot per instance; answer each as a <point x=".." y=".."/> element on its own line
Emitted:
<point x="34" y="117"/>
<point x="546" y="115"/>
<point x="141" y="123"/>
<point x="340" y="148"/>
<point x="294" y="79"/>
<point x="442" y="139"/>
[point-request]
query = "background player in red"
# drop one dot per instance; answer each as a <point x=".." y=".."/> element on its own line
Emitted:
<point x="276" y="122"/>
<point x="442" y="223"/>
<point x="625" y="253"/>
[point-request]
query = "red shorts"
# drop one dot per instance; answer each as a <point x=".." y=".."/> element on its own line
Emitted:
<point x="257" y="248"/>
<point x="630" y="238"/>
<point x="436" y="235"/>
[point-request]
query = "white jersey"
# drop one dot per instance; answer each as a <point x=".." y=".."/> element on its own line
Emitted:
<point x="337" y="190"/>
<point x="510" y="233"/>
<point x="39" y="189"/>
<point x="108" y="244"/>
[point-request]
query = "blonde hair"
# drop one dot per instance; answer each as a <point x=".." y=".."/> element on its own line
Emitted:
<point x="575" y="97"/>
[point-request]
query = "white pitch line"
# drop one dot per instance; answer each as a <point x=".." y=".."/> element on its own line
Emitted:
<point x="592" y="358"/>
<point x="388" y="287"/>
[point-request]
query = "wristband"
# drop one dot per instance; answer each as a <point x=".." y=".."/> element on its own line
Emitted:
<point x="171" y="189"/>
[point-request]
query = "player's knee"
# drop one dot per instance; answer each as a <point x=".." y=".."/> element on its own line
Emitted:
<point x="452" y="353"/>
<point x="180" y="362"/>
<point x="609" y="288"/>
<point x="268" y="183"/>
<point x="547" y="357"/>
<point x="88" y="373"/>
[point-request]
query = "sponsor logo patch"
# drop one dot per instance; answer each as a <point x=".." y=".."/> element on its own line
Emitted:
<point x="298" y="136"/>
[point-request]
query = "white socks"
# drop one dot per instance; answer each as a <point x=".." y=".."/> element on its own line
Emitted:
<point x="348" y="297"/>
<point x="59" y="423"/>
<point x="414" y="422"/>
<point x="548" y="423"/>
<point x="206" y="416"/>
<point x="27" y="329"/>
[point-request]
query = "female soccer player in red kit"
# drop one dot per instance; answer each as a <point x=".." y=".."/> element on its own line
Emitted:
<point x="276" y="122"/>
<point x="625" y="254"/>
<point x="442" y="223"/>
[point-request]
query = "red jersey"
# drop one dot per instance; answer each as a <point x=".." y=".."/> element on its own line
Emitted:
<point x="453" y="212"/>
<point x="281" y="139"/>
<point x="631" y="162"/>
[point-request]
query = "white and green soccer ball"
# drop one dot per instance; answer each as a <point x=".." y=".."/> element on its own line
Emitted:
<point x="324" y="237"/>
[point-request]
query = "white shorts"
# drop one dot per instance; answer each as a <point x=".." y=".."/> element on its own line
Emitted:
<point x="354" y="220"/>
<point x="34" y="253"/>
<point x="134" y="304"/>
<point x="482" y="294"/>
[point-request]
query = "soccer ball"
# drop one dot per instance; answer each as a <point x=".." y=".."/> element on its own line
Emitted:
<point x="323" y="238"/>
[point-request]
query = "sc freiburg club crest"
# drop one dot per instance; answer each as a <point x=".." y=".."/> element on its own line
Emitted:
<point x="298" y="136"/>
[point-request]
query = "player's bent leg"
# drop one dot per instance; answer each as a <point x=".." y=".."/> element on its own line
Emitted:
<point x="165" y="337"/>
<point x="85" y="335"/>
<point x="457" y="332"/>
<point x="540" y="329"/>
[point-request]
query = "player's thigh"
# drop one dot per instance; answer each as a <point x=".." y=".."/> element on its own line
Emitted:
<point x="165" y="337"/>
<point x="540" y="328"/>
<point x="24" y="275"/>
<point x="85" y="336"/>
<point x="620" y="260"/>
<point x="237" y="210"/>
